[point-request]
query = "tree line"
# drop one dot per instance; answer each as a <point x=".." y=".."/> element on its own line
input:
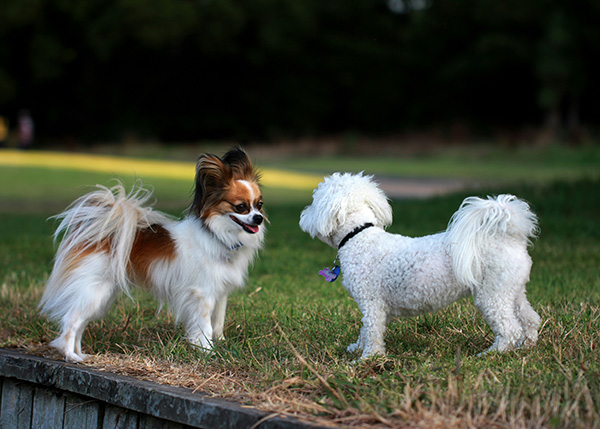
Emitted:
<point x="259" y="69"/>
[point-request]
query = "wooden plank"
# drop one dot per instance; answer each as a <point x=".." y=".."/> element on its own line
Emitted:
<point x="149" y="422"/>
<point x="120" y="418"/>
<point x="17" y="402"/>
<point x="166" y="403"/>
<point x="48" y="409"/>
<point x="82" y="413"/>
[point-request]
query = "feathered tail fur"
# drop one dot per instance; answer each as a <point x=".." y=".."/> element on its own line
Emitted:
<point x="106" y="219"/>
<point x="478" y="221"/>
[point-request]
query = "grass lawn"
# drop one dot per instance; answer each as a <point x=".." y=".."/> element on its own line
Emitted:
<point x="286" y="333"/>
<point x="482" y="163"/>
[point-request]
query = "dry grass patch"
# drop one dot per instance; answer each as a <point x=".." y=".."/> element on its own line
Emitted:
<point x="286" y="333"/>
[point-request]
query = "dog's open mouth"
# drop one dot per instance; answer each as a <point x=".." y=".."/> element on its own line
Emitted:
<point x="250" y="229"/>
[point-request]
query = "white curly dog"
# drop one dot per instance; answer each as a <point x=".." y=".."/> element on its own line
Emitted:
<point x="483" y="253"/>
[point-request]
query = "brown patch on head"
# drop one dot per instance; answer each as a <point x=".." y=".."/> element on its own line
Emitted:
<point x="241" y="198"/>
<point x="217" y="181"/>
<point x="150" y="245"/>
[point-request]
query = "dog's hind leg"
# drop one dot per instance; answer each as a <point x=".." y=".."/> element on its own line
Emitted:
<point x="69" y="340"/>
<point x="498" y="312"/>
<point x="530" y="320"/>
<point x="90" y="305"/>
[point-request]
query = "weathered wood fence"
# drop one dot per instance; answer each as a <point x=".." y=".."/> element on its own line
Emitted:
<point x="40" y="393"/>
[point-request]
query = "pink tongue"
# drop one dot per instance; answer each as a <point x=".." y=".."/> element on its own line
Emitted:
<point x="252" y="228"/>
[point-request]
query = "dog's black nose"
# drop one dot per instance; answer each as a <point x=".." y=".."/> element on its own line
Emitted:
<point x="257" y="219"/>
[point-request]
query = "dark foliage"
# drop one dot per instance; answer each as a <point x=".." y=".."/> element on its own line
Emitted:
<point x="187" y="70"/>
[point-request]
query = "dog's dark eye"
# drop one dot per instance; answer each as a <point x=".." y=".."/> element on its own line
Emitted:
<point x="259" y="205"/>
<point x="240" y="208"/>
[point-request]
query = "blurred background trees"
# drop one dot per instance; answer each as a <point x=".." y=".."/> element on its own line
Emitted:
<point x="185" y="70"/>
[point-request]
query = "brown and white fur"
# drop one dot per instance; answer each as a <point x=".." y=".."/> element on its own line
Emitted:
<point x="112" y="239"/>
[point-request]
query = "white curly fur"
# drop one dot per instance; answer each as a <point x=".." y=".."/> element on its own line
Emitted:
<point x="483" y="253"/>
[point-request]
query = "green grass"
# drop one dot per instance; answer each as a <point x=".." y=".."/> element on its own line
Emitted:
<point x="490" y="163"/>
<point x="485" y="161"/>
<point x="286" y="333"/>
<point x="51" y="190"/>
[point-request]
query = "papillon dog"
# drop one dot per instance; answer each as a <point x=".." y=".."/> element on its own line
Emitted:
<point x="483" y="253"/>
<point x="112" y="239"/>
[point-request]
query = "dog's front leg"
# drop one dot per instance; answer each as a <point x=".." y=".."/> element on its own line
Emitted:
<point x="370" y="339"/>
<point x="218" y="318"/>
<point x="359" y="344"/>
<point x="199" y="321"/>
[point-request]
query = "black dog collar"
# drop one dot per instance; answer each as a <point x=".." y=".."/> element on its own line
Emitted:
<point x="354" y="232"/>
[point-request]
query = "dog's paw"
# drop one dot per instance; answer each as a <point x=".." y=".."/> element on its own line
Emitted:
<point x="373" y="351"/>
<point x="531" y="337"/>
<point x="73" y="357"/>
<point x="202" y="343"/>
<point x="501" y="345"/>
<point x="352" y="347"/>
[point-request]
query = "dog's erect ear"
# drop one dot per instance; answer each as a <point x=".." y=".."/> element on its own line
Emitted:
<point x="240" y="164"/>
<point x="212" y="179"/>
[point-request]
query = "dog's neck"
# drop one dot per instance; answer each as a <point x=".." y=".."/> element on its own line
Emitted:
<point x="352" y="227"/>
<point x="354" y="233"/>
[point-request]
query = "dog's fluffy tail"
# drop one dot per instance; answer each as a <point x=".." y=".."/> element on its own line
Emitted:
<point x="104" y="220"/>
<point x="478" y="221"/>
